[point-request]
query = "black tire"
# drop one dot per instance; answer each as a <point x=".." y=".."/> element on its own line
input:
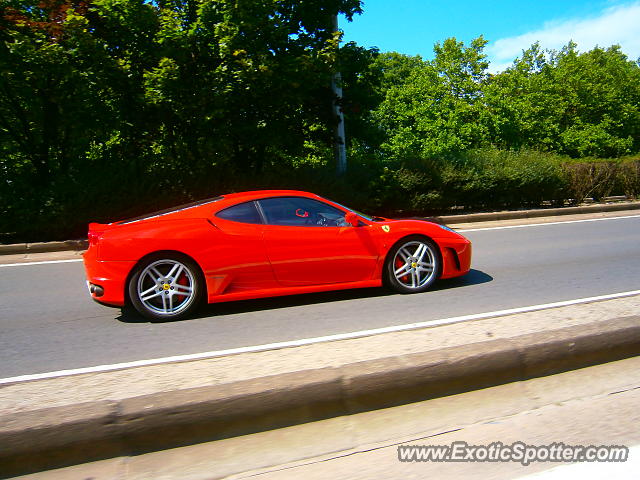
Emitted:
<point x="166" y="286"/>
<point x="422" y="267"/>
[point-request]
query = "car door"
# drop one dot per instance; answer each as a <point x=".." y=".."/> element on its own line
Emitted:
<point x="309" y="242"/>
<point x="238" y="258"/>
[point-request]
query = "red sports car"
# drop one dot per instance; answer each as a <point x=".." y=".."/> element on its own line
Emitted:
<point x="262" y="244"/>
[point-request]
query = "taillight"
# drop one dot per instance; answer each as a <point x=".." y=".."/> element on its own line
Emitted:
<point x="95" y="232"/>
<point x="93" y="238"/>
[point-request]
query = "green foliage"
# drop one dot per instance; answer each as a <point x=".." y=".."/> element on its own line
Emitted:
<point x="109" y="108"/>
<point x="435" y="107"/>
<point x="579" y="104"/>
<point x="503" y="179"/>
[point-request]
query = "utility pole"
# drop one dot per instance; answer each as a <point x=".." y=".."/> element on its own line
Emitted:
<point x="339" y="145"/>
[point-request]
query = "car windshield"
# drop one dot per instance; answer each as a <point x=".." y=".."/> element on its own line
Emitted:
<point x="363" y="215"/>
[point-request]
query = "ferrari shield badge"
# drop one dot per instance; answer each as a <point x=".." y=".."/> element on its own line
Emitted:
<point x="386" y="228"/>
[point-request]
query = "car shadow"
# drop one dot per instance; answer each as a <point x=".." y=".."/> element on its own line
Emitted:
<point x="474" y="277"/>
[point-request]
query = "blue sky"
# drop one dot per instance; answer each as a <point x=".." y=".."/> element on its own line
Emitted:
<point x="413" y="26"/>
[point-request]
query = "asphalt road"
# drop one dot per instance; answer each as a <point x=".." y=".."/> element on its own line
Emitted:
<point x="48" y="322"/>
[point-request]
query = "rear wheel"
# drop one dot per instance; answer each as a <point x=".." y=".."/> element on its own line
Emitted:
<point x="413" y="265"/>
<point x="166" y="287"/>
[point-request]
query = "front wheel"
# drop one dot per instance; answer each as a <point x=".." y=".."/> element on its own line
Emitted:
<point x="166" y="287"/>
<point x="413" y="265"/>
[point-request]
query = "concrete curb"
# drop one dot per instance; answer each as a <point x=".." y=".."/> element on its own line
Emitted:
<point x="42" y="247"/>
<point x="60" y="436"/>
<point x="79" y="245"/>
<point x="537" y="213"/>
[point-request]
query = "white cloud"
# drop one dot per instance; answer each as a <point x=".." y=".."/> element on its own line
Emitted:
<point x="617" y="25"/>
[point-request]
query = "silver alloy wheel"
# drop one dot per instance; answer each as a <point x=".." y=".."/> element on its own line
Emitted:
<point x="414" y="264"/>
<point x="166" y="287"/>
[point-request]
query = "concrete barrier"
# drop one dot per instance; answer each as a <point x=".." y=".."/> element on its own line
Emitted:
<point x="59" y="436"/>
<point x="537" y="213"/>
<point x="42" y="247"/>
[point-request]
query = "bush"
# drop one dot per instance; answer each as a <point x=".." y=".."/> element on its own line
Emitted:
<point x="471" y="181"/>
<point x="629" y="177"/>
<point x="591" y="179"/>
<point x="491" y="178"/>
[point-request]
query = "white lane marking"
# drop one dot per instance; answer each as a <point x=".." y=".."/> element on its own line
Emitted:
<point x="311" y="341"/>
<point x="39" y="263"/>
<point x="542" y="224"/>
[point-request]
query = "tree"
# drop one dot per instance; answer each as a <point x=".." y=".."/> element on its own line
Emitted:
<point x="581" y="104"/>
<point x="129" y="104"/>
<point x="438" y="107"/>
<point x="247" y="79"/>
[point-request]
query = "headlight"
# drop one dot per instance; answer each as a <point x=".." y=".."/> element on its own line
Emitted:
<point x="444" y="227"/>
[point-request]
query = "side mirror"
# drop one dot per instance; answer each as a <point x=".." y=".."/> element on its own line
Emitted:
<point x="352" y="219"/>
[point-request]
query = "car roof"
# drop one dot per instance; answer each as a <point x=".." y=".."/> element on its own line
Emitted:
<point x="255" y="194"/>
<point x="196" y="209"/>
<point x="230" y="199"/>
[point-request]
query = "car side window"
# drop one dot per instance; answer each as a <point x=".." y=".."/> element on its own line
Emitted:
<point x="301" y="212"/>
<point x="243" y="213"/>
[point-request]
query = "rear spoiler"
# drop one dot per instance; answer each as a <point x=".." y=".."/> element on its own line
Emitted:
<point x="99" y="227"/>
<point x="95" y="230"/>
